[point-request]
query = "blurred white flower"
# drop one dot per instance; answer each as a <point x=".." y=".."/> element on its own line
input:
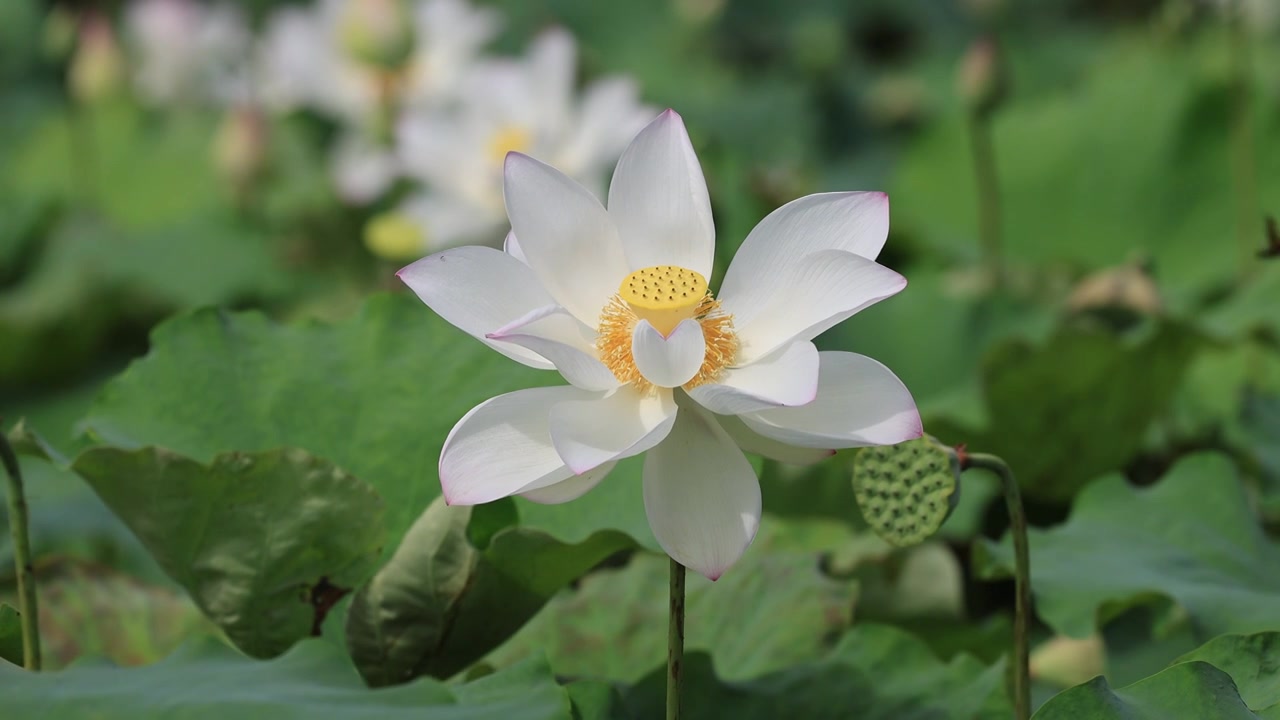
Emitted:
<point x="526" y="105"/>
<point x="188" y="51"/>
<point x="308" y="59"/>
<point x="352" y="61"/>
<point x="617" y="301"/>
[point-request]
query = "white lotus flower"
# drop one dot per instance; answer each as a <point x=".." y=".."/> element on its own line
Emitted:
<point x="526" y="105"/>
<point x="187" y="51"/>
<point x="616" y="300"/>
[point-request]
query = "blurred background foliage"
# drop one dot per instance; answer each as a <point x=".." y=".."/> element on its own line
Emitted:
<point x="1130" y="339"/>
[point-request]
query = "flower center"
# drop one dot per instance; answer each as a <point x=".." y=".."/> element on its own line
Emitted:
<point x="509" y="138"/>
<point x="664" y="295"/>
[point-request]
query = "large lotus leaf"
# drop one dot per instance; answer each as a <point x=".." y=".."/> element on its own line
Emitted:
<point x="1128" y="155"/>
<point x="1189" y="690"/>
<point x="1063" y="412"/>
<point x="376" y="393"/>
<point x="1224" y="678"/>
<point x="314" y="681"/>
<point x="1252" y="661"/>
<point x="1191" y="539"/>
<point x="264" y="542"/>
<point x="774" y="608"/>
<point x="441" y="603"/>
<point x="874" y="673"/>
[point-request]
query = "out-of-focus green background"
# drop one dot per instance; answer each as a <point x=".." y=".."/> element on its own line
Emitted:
<point x="1133" y="326"/>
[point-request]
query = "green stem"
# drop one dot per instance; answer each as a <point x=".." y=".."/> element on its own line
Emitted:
<point x="1022" y="580"/>
<point x="22" y="558"/>
<point x="675" y="640"/>
<point x="1243" y="148"/>
<point x="988" y="187"/>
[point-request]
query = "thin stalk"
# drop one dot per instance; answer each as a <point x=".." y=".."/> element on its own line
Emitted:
<point x="22" y="558"/>
<point x="1243" y="146"/>
<point x="675" y="640"/>
<point x="1022" y="580"/>
<point x="988" y="187"/>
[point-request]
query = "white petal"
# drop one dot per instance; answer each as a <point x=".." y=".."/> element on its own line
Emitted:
<point x="504" y="445"/>
<point x="824" y="289"/>
<point x="548" y="337"/>
<point x="567" y="237"/>
<point x="565" y="490"/>
<point x="478" y="290"/>
<point x="511" y="246"/>
<point x="788" y="378"/>
<point x="671" y="361"/>
<point x="589" y="433"/>
<point x="860" y="402"/>
<point x="854" y="222"/>
<point x="755" y="443"/>
<point x="658" y="198"/>
<point x="701" y="495"/>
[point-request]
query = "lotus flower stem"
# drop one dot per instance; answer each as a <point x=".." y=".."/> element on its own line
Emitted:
<point x="1022" y="579"/>
<point x="675" y="641"/>
<point x="988" y="187"/>
<point x="22" y="558"/>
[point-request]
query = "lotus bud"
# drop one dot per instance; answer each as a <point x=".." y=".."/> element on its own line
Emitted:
<point x="240" y="146"/>
<point x="378" y="32"/>
<point x="97" y="68"/>
<point x="982" y="81"/>
<point x="395" y="236"/>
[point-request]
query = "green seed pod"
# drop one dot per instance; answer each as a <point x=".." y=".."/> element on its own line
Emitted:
<point x="907" y="491"/>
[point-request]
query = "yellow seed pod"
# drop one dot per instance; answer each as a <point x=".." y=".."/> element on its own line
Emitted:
<point x="664" y="295"/>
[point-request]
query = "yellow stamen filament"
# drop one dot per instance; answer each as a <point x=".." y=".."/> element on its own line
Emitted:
<point x="665" y="295"/>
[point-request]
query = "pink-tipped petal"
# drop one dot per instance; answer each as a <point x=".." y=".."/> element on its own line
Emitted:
<point x="566" y="490"/>
<point x="860" y="402"/>
<point x="856" y="222"/>
<point x="787" y="378"/>
<point x="668" y="361"/>
<point x="567" y="236"/>
<point x="658" y="199"/>
<point x="503" y="446"/>
<point x="821" y="291"/>
<point x="479" y="289"/>
<point x="701" y="495"/>
<point x="623" y="423"/>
